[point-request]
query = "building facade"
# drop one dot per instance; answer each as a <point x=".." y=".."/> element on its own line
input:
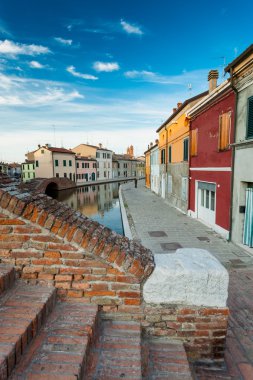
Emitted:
<point x="154" y="168"/>
<point x="102" y="155"/>
<point x="212" y="133"/>
<point x="54" y="162"/>
<point x="147" y="167"/>
<point x="241" y="72"/>
<point x="174" y="155"/>
<point x="86" y="169"/>
<point x="28" y="171"/>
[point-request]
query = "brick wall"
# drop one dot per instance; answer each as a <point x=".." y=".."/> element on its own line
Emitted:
<point x="48" y="242"/>
<point x="203" y="330"/>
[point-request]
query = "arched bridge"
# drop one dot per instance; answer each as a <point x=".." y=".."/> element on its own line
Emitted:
<point x="48" y="185"/>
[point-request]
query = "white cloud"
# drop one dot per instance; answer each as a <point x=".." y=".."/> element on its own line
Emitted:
<point x="31" y="92"/>
<point x="106" y="66"/>
<point x="63" y="41"/>
<point x="13" y="49"/>
<point x="193" y="77"/>
<point x="36" y="65"/>
<point x="72" y="70"/>
<point x="130" y="28"/>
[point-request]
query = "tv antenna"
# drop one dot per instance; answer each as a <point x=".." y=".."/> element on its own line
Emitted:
<point x="189" y="86"/>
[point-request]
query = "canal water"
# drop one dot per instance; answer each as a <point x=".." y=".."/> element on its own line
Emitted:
<point x="100" y="203"/>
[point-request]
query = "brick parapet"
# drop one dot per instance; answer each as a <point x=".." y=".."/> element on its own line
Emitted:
<point x="48" y="242"/>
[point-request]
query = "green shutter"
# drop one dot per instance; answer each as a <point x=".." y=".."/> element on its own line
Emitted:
<point x="250" y="118"/>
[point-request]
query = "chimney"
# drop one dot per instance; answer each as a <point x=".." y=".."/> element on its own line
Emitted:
<point x="100" y="145"/>
<point x="46" y="145"/>
<point x="212" y="79"/>
<point x="179" y="105"/>
<point x="174" y="110"/>
<point x="151" y="144"/>
<point x="148" y="147"/>
<point x="38" y="145"/>
<point x="156" y="141"/>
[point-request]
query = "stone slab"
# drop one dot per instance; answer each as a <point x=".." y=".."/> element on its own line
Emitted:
<point x="190" y="276"/>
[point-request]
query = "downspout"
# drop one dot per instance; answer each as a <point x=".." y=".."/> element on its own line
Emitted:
<point x="233" y="155"/>
<point x="166" y="161"/>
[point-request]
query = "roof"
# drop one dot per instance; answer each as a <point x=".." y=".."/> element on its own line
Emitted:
<point x="152" y="147"/>
<point x="240" y="58"/>
<point x="58" y="150"/>
<point x="93" y="146"/>
<point x="218" y="91"/>
<point x="83" y="158"/>
<point x="126" y="157"/>
<point x="179" y="109"/>
<point x="28" y="162"/>
<point x="108" y="150"/>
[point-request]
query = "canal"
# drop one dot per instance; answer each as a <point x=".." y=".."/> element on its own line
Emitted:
<point x="100" y="203"/>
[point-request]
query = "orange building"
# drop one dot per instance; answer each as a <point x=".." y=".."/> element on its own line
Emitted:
<point x="147" y="167"/>
<point x="174" y="154"/>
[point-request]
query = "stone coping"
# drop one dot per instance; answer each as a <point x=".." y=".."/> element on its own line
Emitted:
<point x="188" y="277"/>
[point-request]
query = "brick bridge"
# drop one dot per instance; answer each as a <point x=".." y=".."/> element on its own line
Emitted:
<point x="99" y="328"/>
<point x="47" y="185"/>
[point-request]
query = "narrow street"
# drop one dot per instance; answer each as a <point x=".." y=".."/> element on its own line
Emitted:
<point x="163" y="229"/>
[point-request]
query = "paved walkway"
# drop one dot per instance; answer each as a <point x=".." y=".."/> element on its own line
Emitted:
<point x="162" y="229"/>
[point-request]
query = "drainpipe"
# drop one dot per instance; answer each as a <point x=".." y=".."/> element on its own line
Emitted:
<point x="166" y="159"/>
<point x="233" y="155"/>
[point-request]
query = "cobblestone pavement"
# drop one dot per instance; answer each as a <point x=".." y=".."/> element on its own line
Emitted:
<point x="148" y="213"/>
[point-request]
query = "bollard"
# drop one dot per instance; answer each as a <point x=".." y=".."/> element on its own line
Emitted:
<point x="135" y="183"/>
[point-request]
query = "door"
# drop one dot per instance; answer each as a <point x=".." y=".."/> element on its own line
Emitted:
<point x="206" y="202"/>
<point x="248" y="222"/>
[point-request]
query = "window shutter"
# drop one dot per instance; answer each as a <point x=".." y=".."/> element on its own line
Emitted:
<point x="194" y="142"/>
<point x="250" y="119"/>
<point x="224" y="130"/>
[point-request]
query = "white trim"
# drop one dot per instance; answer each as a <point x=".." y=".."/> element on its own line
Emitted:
<point x="210" y="169"/>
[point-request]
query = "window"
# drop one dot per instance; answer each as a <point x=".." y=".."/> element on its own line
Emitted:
<point x="104" y="155"/>
<point x="97" y="164"/>
<point x="224" y="130"/>
<point x="108" y="155"/>
<point x="105" y="174"/>
<point x="28" y="174"/>
<point x="56" y="163"/>
<point x="170" y="153"/>
<point x="70" y="176"/>
<point x="87" y="165"/>
<point x="42" y="151"/>
<point x="77" y="165"/>
<point x="70" y="163"/>
<point x="163" y="156"/>
<point x="212" y="200"/>
<point x="64" y="163"/>
<point x="97" y="154"/>
<point x="82" y="165"/>
<point x="97" y="174"/>
<point x="250" y="119"/>
<point x="33" y="166"/>
<point x="37" y="164"/>
<point x="186" y="149"/>
<point x="65" y="175"/>
<point x="94" y="166"/>
<point x="57" y="175"/>
<point x="194" y="142"/>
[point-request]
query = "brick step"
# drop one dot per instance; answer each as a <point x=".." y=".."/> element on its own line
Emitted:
<point x="60" y="350"/>
<point x="23" y="309"/>
<point x="7" y="277"/>
<point x="211" y="372"/>
<point x="117" y="352"/>
<point x="164" y="359"/>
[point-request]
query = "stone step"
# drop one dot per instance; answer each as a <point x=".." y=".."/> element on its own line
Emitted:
<point x="164" y="359"/>
<point x="23" y="309"/>
<point x="7" y="277"/>
<point x="117" y="352"/>
<point x="60" y="350"/>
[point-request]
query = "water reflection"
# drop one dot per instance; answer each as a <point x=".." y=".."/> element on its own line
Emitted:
<point x="100" y="203"/>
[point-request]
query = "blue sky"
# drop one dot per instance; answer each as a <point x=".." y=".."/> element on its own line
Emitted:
<point x="107" y="71"/>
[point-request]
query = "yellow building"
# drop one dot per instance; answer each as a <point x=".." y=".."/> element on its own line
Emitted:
<point x="174" y="154"/>
<point x="147" y="168"/>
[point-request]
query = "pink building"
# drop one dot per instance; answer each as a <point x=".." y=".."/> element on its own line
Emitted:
<point x="86" y="169"/>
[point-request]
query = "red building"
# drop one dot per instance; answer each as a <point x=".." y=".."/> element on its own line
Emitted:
<point x="211" y="133"/>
